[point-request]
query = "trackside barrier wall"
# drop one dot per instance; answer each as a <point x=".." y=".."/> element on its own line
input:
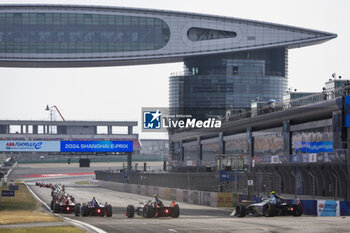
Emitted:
<point x="207" y="198"/>
<point x="344" y="208"/>
<point x="224" y="199"/>
<point x="189" y="196"/>
<point x="310" y="207"/>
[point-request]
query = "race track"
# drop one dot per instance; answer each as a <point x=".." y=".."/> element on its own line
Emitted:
<point x="193" y="218"/>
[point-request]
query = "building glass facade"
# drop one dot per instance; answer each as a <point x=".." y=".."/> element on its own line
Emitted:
<point x="211" y="85"/>
<point x="199" y="34"/>
<point x="71" y="33"/>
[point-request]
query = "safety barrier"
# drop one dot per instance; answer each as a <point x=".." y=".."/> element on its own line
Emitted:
<point x="215" y="199"/>
<point x="190" y="196"/>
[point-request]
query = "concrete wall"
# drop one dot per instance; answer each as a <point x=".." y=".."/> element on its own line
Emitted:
<point x="89" y="130"/>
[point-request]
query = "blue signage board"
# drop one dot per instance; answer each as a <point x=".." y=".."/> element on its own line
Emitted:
<point x="96" y="146"/>
<point x="7" y="193"/>
<point x="315" y="147"/>
<point x="328" y="208"/>
<point x="67" y="146"/>
<point x="13" y="187"/>
<point x="347" y="111"/>
<point x="226" y="176"/>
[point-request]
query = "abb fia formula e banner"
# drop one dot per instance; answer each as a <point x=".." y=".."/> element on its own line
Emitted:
<point x="66" y="146"/>
<point x="30" y="146"/>
<point x="328" y="208"/>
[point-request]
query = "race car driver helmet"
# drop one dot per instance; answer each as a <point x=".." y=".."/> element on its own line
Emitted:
<point x="273" y="192"/>
<point x="154" y="195"/>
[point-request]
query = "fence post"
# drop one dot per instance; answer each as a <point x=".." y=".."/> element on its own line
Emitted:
<point x="295" y="183"/>
<point x="336" y="186"/>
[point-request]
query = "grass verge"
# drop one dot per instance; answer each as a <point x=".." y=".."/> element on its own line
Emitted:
<point x="82" y="182"/>
<point x="64" y="229"/>
<point x="22" y="208"/>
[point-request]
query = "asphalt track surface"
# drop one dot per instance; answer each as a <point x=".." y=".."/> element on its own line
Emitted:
<point x="23" y="170"/>
<point x="193" y="218"/>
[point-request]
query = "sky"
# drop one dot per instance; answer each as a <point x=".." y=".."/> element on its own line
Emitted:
<point x="118" y="93"/>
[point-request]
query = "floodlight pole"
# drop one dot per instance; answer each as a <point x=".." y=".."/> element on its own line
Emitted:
<point x="51" y="115"/>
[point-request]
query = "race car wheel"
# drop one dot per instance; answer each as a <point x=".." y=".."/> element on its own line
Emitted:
<point x="130" y="211"/>
<point x="85" y="211"/>
<point x="148" y="211"/>
<point x="56" y="208"/>
<point x="269" y="210"/>
<point x="51" y="205"/>
<point x="176" y="211"/>
<point x="298" y="210"/>
<point x="144" y="213"/>
<point x="241" y="211"/>
<point x="77" y="210"/>
<point x="109" y="211"/>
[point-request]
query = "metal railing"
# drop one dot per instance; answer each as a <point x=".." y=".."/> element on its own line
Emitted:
<point x="312" y="99"/>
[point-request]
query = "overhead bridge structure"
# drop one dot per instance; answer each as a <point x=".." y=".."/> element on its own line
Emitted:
<point x="88" y="36"/>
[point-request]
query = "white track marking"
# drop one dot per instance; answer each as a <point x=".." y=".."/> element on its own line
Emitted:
<point x="73" y="221"/>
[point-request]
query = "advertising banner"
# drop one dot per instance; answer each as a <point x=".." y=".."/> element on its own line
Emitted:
<point x="66" y="146"/>
<point x="96" y="146"/>
<point x="347" y="111"/>
<point x="30" y="146"/>
<point x="230" y="176"/>
<point x="7" y="193"/>
<point x="275" y="159"/>
<point x="225" y="199"/>
<point x="224" y="176"/>
<point x="190" y="163"/>
<point x="315" y="147"/>
<point x="13" y="187"/>
<point x="328" y="208"/>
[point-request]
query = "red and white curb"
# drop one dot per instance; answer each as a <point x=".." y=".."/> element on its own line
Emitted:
<point x="72" y="221"/>
<point x="59" y="175"/>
